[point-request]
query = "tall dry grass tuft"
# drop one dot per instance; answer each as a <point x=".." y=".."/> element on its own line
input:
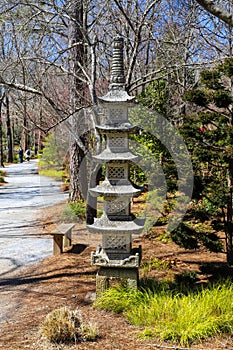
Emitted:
<point x="63" y="325"/>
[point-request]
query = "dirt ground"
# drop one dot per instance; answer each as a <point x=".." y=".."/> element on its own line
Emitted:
<point x="69" y="280"/>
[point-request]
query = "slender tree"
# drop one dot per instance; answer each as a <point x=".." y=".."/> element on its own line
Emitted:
<point x="10" y="156"/>
<point x="78" y="90"/>
<point x="1" y="129"/>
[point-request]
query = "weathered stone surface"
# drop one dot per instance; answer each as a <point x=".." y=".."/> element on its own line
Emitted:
<point x="106" y="226"/>
<point x="101" y="284"/>
<point x="117" y="127"/>
<point x="115" y="187"/>
<point x="132" y="261"/>
<point x="108" y="155"/>
<point x="105" y="275"/>
<point x="116" y="257"/>
<point x="117" y="74"/>
<point x="116" y="96"/>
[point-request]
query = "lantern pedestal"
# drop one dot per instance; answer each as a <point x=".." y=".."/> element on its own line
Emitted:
<point x="105" y="275"/>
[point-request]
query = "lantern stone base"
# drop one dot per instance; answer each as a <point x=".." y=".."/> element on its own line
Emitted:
<point x="105" y="275"/>
<point x="104" y="258"/>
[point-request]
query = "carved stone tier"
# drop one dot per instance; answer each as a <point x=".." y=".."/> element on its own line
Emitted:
<point x="107" y="155"/>
<point x="114" y="113"/>
<point x="122" y="127"/>
<point x="117" y="96"/>
<point x="129" y="261"/>
<point x="105" y="226"/>
<point x="115" y="187"/>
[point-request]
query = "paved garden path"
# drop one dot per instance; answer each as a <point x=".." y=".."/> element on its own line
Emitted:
<point x="25" y="193"/>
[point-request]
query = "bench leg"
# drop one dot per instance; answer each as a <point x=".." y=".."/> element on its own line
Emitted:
<point x="67" y="241"/>
<point x="67" y="238"/>
<point x="57" y="244"/>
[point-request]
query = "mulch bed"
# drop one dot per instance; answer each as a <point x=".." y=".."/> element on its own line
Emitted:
<point x="69" y="280"/>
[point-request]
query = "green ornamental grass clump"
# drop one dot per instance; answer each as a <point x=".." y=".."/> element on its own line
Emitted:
<point x="170" y="315"/>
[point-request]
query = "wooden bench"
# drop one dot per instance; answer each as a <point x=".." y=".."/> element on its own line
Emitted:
<point x="62" y="238"/>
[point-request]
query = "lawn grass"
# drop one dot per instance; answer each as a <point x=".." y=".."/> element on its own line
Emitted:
<point x="56" y="174"/>
<point x="169" y="314"/>
<point x="2" y="175"/>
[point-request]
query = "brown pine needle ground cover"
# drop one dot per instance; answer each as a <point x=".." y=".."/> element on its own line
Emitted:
<point x="69" y="280"/>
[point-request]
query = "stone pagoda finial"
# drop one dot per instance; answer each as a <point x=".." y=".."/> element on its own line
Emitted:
<point x="117" y="73"/>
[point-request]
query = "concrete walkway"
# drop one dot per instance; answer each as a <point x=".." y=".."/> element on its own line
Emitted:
<point x="21" y="198"/>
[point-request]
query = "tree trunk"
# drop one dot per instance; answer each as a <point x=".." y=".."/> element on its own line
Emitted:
<point x="77" y="94"/>
<point x="24" y="138"/>
<point x="91" y="208"/>
<point x="1" y="136"/>
<point x="10" y="156"/>
<point x="78" y="173"/>
<point x="229" y="224"/>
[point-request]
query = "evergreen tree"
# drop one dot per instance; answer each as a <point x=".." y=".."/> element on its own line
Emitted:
<point x="208" y="134"/>
<point x="156" y="138"/>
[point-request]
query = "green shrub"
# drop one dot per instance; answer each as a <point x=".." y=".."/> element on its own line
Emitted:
<point x="222" y="99"/>
<point x="203" y="209"/>
<point x="74" y="211"/>
<point x="196" y="96"/>
<point x="191" y="236"/>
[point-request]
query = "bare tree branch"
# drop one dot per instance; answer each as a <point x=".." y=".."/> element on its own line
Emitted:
<point x="20" y="87"/>
<point x="217" y="11"/>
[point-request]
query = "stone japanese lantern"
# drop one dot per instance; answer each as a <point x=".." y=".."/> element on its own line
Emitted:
<point x="116" y="258"/>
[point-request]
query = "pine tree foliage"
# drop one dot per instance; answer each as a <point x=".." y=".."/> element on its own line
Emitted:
<point x="209" y="138"/>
